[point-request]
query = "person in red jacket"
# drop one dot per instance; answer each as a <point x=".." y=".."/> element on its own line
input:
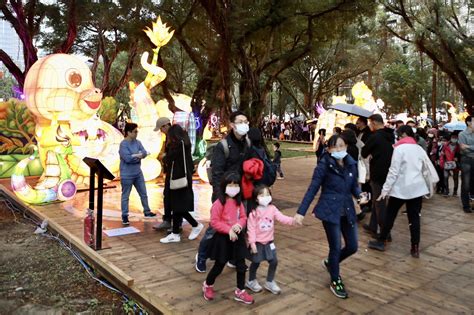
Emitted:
<point x="228" y="219"/>
<point x="448" y="162"/>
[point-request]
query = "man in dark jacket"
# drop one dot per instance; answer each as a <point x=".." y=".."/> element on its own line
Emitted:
<point x="238" y="148"/>
<point x="380" y="147"/>
<point x="364" y="131"/>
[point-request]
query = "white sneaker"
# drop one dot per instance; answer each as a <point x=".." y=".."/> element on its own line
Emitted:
<point x="272" y="287"/>
<point x="171" y="238"/>
<point x="195" y="231"/>
<point x="230" y="265"/>
<point x="254" y="286"/>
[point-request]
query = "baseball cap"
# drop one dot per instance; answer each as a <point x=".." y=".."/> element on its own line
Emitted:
<point x="161" y="122"/>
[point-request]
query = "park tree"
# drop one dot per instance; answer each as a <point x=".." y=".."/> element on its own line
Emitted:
<point x="26" y="18"/>
<point x="442" y="30"/>
<point x="111" y="34"/>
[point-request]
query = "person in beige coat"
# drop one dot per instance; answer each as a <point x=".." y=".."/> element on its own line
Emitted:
<point x="410" y="177"/>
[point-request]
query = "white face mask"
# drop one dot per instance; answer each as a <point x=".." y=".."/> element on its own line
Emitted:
<point x="232" y="191"/>
<point x="241" y="129"/>
<point x="264" y="200"/>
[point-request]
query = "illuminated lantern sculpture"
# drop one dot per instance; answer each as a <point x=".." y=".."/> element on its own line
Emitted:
<point x="55" y="183"/>
<point x="60" y="94"/>
<point x="147" y="112"/>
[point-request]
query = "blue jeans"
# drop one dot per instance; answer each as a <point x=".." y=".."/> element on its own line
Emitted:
<point x="336" y="254"/>
<point x="467" y="165"/>
<point x="204" y="244"/>
<point x="139" y="183"/>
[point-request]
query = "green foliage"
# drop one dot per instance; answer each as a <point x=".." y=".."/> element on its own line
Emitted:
<point x="6" y="84"/>
<point x="17" y="127"/>
<point x="8" y="163"/>
<point x="132" y="307"/>
<point x="109" y="110"/>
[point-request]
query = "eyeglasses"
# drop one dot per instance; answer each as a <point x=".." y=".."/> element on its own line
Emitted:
<point x="242" y="122"/>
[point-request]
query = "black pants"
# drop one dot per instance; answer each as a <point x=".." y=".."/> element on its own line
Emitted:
<point x="467" y="168"/>
<point x="379" y="208"/>
<point x="217" y="270"/>
<point x="167" y="216"/>
<point x="279" y="171"/>
<point x="178" y="220"/>
<point x="413" y="212"/>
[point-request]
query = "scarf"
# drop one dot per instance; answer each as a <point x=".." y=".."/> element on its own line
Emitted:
<point x="406" y="140"/>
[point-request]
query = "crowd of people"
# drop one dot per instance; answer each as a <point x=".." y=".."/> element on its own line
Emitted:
<point x="371" y="166"/>
<point x="294" y="130"/>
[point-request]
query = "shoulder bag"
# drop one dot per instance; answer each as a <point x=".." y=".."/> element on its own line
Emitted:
<point x="181" y="182"/>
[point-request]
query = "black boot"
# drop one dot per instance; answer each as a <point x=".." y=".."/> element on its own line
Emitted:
<point x="415" y="251"/>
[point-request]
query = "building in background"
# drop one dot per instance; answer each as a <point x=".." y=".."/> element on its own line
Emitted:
<point x="11" y="44"/>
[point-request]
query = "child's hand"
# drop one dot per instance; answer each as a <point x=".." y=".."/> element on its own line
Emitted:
<point x="236" y="228"/>
<point x="253" y="248"/>
<point x="232" y="236"/>
<point x="298" y="219"/>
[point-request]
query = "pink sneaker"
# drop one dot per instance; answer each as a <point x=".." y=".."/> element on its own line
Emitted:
<point x="242" y="296"/>
<point x="208" y="291"/>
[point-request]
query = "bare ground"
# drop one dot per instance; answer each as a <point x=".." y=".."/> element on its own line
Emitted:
<point x="38" y="276"/>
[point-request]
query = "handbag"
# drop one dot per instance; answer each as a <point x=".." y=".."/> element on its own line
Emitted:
<point x="430" y="176"/>
<point x="181" y="182"/>
<point x="362" y="170"/>
<point x="449" y="165"/>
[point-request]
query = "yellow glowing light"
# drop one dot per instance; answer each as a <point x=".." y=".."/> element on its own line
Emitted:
<point x="151" y="169"/>
<point x="59" y="92"/>
<point x="160" y="34"/>
<point x="202" y="170"/>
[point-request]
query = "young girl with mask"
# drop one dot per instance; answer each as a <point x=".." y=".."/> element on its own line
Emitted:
<point x="337" y="174"/>
<point x="228" y="218"/>
<point x="260" y="228"/>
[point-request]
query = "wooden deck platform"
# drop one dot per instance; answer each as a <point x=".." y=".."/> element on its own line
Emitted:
<point x="162" y="276"/>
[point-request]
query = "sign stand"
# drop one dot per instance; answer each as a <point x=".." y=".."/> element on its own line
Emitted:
<point x="96" y="167"/>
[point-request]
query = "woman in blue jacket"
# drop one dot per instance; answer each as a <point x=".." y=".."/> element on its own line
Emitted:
<point x="336" y="173"/>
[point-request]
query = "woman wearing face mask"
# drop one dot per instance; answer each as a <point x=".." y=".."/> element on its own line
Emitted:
<point x="260" y="228"/>
<point x="336" y="173"/>
<point x="448" y="162"/>
<point x="228" y="218"/>
<point x="406" y="183"/>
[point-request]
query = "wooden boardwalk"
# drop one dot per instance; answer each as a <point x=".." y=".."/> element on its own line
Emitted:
<point x="163" y="275"/>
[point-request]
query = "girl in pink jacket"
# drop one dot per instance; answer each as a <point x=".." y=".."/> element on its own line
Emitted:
<point x="260" y="228"/>
<point x="228" y="218"/>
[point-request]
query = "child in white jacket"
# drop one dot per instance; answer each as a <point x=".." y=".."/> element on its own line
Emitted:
<point x="260" y="229"/>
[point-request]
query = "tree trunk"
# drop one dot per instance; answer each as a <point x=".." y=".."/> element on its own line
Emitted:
<point x="433" y="93"/>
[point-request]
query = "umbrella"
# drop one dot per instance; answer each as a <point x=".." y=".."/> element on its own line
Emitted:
<point x="352" y="109"/>
<point x="453" y="126"/>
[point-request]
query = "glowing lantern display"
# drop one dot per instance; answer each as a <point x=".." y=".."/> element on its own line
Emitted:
<point x="202" y="170"/>
<point x="60" y="94"/>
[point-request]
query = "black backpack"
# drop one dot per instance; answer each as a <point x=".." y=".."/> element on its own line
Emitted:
<point x="210" y="153"/>
<point x="269" y="169"/>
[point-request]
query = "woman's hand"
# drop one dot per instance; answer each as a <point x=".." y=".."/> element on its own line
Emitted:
<point x="236" y="228"/>
<point x="298" y="219"/>
<point x="383" y="195"/>
<point x="232" y="236"/>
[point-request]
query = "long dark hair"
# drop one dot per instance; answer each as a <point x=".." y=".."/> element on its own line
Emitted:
<point x="333" y="140"/>
<point x="405" y="129"/>
<point x="175" y="135"/>
<point x="256" y="138"/>
<point x="230" y="177"/>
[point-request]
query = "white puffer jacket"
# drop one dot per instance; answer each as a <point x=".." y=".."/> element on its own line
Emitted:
<point x="405" y="178"/>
